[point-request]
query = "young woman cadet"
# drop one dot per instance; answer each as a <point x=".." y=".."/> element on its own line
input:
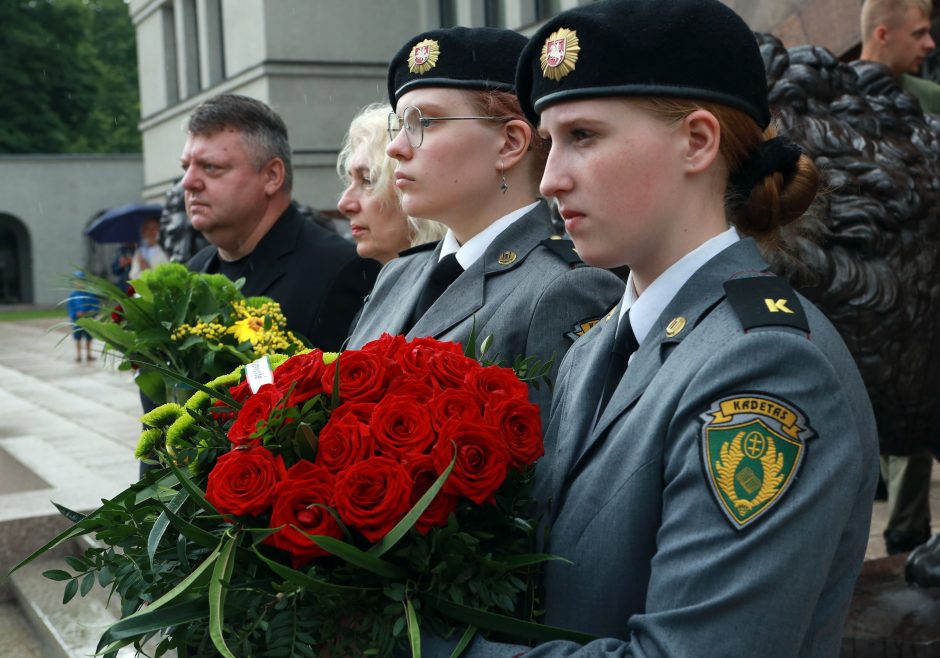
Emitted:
<point x="468" y="159"/>
<point x="370" y="202"/>
<point x="715" y="500"/>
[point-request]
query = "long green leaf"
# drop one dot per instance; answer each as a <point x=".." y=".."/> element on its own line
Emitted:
<point x="194" y="491"/>
<point x="190" y="531"/>
<point x="525" y="560"/>
<point x="402" y="527"/>
<point x="144" y="614"/>
<point x="71" y="533"/>
<point x="71" y="515"/>
<point x="171" y="615"/>
<point x="354" y="556"/>
<point x="492" y="621"/>
<point x="301" y="579"/>
<point x="162" y="523"/>
<point x="414" y="631"/>
<point x="218" y="588"/>
<point x="86" y="525"/>
<point x="465" y="640"/>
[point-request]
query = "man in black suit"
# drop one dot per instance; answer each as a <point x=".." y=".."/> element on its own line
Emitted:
<point x="237" y="186"/>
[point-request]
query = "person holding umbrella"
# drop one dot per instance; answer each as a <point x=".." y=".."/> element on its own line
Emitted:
<point x="148" y="253"/>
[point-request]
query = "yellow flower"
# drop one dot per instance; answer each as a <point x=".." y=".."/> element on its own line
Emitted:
<point x="250" y="329"/>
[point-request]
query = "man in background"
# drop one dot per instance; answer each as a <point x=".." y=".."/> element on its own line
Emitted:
<point x="896" y="33"/>
<point x="237" y="187"/>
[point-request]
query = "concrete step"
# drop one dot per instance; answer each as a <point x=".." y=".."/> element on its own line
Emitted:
<point x="19" y="638"/>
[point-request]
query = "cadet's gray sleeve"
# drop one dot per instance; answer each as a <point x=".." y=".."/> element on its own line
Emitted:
<point x="564" y="311"/>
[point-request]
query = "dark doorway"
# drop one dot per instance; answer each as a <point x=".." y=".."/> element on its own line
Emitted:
<point x="16" y="280"/>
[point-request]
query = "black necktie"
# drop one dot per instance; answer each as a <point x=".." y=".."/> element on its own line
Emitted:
<point x="624" y="345"/>
<point x="443" y="274"/>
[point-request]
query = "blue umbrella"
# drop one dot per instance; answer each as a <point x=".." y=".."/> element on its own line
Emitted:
<point x="123" y="224"/>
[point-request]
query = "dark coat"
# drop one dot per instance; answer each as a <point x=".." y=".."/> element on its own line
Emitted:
<point x="316" y="277"/>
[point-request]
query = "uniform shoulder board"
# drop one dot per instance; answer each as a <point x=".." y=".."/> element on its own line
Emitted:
<point x="427" y="246"/>
<point x="564" y="249"/>
<point x="766" y="301"/>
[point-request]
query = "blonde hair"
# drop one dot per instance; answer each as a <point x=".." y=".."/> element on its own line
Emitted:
<point x="775" y="201"/>
<point x="888" y="13"/>
<point x="370" y="128"/>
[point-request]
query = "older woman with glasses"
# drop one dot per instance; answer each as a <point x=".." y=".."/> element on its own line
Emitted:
<point x="379" y="226"/>
<point x="469" y="159"/>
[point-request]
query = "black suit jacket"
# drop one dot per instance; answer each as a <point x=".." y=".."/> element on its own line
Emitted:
<point x="316" y="277"/>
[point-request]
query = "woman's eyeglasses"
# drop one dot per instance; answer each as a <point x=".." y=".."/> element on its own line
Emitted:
<point x="414" y="123"/>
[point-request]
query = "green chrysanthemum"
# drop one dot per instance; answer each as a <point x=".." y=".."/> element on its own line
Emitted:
<point x="181" y="434"/>
<point x="163" y="416"/>
<point x="146" y="443"/>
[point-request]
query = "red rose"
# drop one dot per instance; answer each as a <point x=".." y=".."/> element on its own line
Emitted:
<point x="492" y="383"/>
<point x="117" y="314"/>
<point x="482" y="460"/>
<point x="372" y="496"/>
<point x="363" y="376"/>
<point x="297" y="502"/>
<point x="361" y="411"/>
<point x="402" y="427"/>
<point x="242" y="481"/>
<point x="455" y="404"/>
<point x="240" y="392"/>
<point x="450" y="370"/>
<point x="386" y="345"/>
<point x="304" y="372"/>
<point x="304" y="469"/>
<point x="253" y="412"/>
<point x="521" y="426"/>
<point x="414" y="388"/>
<point x="343" y="442"/>
<point x="416" y="354"/>
<point x="424" y="473"/>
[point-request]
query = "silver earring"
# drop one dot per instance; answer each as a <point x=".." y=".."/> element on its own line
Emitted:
<point x="503" y="183"/>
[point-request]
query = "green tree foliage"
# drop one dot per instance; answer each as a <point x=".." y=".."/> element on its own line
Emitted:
<point x="68" y="77"/>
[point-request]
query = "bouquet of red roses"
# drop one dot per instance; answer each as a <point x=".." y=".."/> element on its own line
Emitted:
<point x="346" y="501"/>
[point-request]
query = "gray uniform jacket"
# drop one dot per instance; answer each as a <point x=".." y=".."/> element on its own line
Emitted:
<point x="531" y="298"/>
<point x="659" y="505"/>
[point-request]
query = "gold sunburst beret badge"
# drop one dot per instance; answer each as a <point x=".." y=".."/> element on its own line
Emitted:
<point x="560" y="54"/>
<point x="424" y="56"/>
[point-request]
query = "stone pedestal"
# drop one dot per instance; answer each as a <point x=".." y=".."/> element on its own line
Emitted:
<point x="889" y="618"/>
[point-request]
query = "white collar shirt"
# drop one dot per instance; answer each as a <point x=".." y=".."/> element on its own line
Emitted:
<point x="646" y="308"/>
<point x="471" y="252"/>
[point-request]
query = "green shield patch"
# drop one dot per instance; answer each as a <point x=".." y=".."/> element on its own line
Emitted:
<point x="751" y="457"/>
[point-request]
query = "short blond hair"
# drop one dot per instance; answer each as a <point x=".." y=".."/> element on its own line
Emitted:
<point x="370" y="127"/>
<point x="888" y="13"/>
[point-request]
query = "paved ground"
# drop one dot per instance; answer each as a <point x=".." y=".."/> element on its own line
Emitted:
<point x="67" y="433"/>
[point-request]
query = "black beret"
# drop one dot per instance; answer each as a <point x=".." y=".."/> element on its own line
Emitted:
<point x="458" y="57"/>
<point x="692" y="49"/>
